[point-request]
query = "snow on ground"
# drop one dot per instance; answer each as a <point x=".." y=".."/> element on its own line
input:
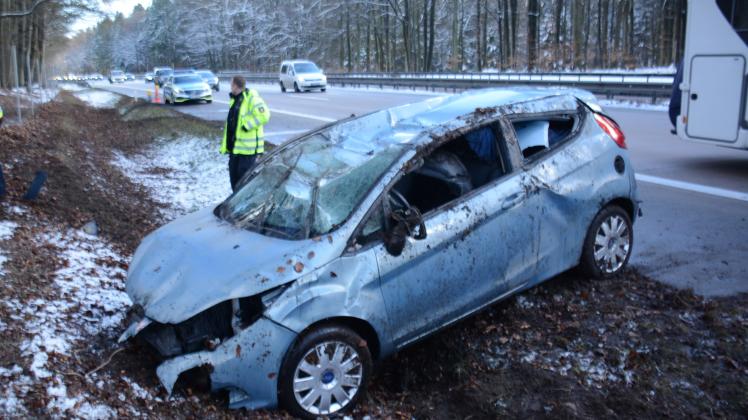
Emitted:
<point x="644" y="106"/>
<point x="186" y="174"/>
<point x="37" y="95"/>
<point x="71" y="87"/>
<point x="640" y="70"/>
<point x="98" y="98"/>
<point x="6" y="232"/>
<point x="593" y="369"/>
<point x="89" y="300"/>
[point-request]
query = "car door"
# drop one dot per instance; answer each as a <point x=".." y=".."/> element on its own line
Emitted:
<point x="479" y="248"/>
<point x="288" y="78"/>
<point x="558" y="181"/>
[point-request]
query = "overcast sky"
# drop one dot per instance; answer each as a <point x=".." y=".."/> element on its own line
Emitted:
<point x="109" y="7"/>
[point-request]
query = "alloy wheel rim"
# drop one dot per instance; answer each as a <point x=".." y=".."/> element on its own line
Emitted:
<point x="612" y="244"/>
<point x="327" y="378"/>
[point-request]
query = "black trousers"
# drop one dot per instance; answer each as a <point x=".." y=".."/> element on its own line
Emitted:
<point x="238" y="166"/>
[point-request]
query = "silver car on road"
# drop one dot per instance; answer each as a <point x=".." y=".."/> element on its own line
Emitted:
<point x="186" y="87"/>
<point x="360" y="238"/>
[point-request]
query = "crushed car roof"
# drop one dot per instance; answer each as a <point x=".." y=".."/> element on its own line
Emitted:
<point x="406" y="124"/>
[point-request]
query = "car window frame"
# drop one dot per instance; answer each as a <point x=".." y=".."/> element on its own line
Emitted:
<point x="580" y="118"/>
<point x="511" y="161"/>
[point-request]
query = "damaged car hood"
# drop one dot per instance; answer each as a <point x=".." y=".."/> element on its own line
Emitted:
<point x="198" y="261"/>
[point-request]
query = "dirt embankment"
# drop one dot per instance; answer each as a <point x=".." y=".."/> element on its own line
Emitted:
<point x="573" y="347"/>
<point x="73" y="143"/>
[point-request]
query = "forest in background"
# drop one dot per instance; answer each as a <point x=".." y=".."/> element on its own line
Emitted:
<point x="343" y="35"/>
<point x="33" y="31"/>
<point x="387" y="35"/>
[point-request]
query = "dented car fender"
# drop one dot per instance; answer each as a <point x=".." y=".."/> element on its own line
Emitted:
<point x="347" y="288"/>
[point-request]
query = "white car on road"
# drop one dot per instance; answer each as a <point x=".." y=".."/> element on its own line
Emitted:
<point x="301" y="75"/>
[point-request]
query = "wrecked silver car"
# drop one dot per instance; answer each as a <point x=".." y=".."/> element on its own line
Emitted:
<point x="355" y="240"/>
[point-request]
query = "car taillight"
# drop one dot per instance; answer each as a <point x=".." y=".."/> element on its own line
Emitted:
<point x="612" y="129"/>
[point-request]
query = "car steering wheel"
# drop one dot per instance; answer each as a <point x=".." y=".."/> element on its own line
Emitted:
<point x="398" y="199"/>
<point x="407" y="215"/>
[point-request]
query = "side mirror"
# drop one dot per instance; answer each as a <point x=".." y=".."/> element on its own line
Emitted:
<point x="406" y="222"/>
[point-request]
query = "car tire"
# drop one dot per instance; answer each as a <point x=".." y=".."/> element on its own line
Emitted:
<point x="283" y="88"/>
<point x="208" y="101"/>
<point x="296" y="88"/>
<point x="326" y="382"/>
<point x="323" y="90"/>
<point x="608" y="243"/>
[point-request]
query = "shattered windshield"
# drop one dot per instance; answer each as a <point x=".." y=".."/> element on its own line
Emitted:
<point x="308" y="189"/>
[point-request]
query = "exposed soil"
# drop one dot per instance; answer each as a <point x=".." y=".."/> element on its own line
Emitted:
<point x="572" y="347"/>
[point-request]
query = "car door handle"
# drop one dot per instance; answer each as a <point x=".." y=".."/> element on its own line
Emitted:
<point x="512" y="200"/>
<point x="694" y="96"/>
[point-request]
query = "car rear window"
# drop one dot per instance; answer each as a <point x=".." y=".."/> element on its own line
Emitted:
<point x="542" y="134"/>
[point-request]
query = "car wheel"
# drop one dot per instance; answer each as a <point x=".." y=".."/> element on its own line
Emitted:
<point x="608" y="244"/>
<point x="323" y="90"/>
<point x="296" y="87"/>
<point x="208" y="101"/>
<point x="283" y="88"/>
<point x="325" y="372"/>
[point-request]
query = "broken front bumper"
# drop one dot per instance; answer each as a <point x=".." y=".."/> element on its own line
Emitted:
<point x="246" y="364"/>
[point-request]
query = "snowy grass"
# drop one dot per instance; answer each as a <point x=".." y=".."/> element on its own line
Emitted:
<point x="98" y="98"/>
<point x="37" y="95"/>
<point x="185" y="174"/>
<point x="6" y="232"/>
<point x="71" y="87"/>
<point x="88" y="300"/>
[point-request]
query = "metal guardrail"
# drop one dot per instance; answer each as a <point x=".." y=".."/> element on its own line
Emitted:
<point x="648" y="85"/>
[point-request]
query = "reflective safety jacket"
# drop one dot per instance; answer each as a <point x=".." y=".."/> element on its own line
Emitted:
<point x="253" y="114"/>
<point x="1" y="112"/>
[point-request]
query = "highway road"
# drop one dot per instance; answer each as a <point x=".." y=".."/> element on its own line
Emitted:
<point x="694" y="232"/>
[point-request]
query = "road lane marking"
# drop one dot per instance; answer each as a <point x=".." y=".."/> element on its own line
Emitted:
<point x="688" y="186"/>
<point x="299" y="114"/>
<point x="295" y="114"/>
<point x="311" y="98"/>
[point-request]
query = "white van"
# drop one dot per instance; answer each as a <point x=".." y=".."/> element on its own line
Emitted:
<point x="301" y="75"/>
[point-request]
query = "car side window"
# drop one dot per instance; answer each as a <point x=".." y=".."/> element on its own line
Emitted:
<point x="284" y="68"/>
<point x="536" y="136"/>
<point x="372" y="229"/>
<point x="461" y="165"/>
